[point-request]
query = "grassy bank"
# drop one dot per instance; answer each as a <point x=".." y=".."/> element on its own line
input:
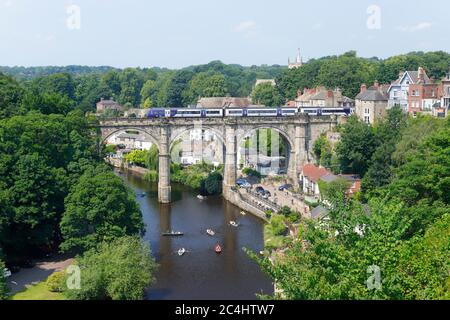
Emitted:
<point x="38" y="292"/>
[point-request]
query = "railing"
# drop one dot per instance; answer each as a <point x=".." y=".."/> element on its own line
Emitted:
<point x="267" y="202"/>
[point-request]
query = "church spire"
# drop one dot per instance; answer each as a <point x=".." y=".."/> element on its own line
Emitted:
<point x="299" y="58"/>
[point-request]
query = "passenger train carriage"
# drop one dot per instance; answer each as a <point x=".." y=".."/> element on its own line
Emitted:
<point x="245" y="112"/>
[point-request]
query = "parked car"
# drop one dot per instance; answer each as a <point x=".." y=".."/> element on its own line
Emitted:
<point x="268" y="194"/>
<point x="260" y="190"/>
<point x="243" y="183"/>
<point x="285" y="187"/>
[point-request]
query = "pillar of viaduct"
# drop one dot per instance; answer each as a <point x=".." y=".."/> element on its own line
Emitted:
<point x="300" y="133"/>
<point x="164" y="188"/>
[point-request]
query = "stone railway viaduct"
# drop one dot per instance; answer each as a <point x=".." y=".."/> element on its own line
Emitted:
<point x="299" y="132"/>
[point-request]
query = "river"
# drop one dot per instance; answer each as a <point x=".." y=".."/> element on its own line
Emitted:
<point x="200" y="273"/>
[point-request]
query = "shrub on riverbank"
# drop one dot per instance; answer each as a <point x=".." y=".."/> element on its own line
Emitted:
<point x="56" y="282"/>
<point x="3" y="286"/>
<point x="202" y="177"/>
<point x="151" y="176"/>
<point x="117" y="270"/>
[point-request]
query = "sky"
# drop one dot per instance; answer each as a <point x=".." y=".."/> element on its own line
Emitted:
<point x="179" y="33"/>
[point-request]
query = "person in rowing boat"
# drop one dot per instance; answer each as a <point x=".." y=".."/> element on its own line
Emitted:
<point x="234" y="223"/>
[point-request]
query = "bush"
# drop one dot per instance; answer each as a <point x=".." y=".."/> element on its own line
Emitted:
<point x="117" y="270"/>
<point x="3" y="286"/>
<point x="278" y="226"/>
<point x="285" y="211"/>
<point x="151" y="176"/>
<point x="213" y="184"/>
<point x="251" y="173"/>
<point x="56" y="282"/>
<point x="110" y="149"/>
<point x="294" y="217"/>
<point x="269" y="214"/>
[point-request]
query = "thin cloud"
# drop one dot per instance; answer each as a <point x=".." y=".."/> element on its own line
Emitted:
<point x="419" y="27"/>
<point x="7" y="3"/>
<point x="247" y="28"/>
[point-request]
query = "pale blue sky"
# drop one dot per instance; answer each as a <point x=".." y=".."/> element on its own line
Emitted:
<point x="178" y="33"/>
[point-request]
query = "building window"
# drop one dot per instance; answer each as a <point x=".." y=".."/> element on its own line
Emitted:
<point x="366" y="119"/>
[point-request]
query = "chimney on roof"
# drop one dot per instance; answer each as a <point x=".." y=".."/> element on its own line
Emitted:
<point x="400" y="74"/>
<point x="376" y="84"/>
<point x="421" y="74"/>
<point x="363" y="87"/>
<point x="299" y="93"/>
<point x="101" y="99"/>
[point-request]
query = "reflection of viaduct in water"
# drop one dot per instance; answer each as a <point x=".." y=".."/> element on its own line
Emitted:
<point x="298" y="131"/>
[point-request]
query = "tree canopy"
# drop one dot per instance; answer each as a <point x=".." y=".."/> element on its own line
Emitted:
<point x="118" y="270"/>
<point x="99" y="208"/>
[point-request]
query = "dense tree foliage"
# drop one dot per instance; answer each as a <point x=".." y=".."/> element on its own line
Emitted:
<point x="11" y="95"/>
<point x="267" y="94"/>
<point x="99" y="208"/>
<point x="348" y="71"/>
<point x="3" y="286"/>
<point x="387" y="133"/>
<point x="40" y="158"/>
<point x="356" y="146"/>
<point x="323" y="151"/>
<point x="401" y="234"/>
<point x="118" y="270"/>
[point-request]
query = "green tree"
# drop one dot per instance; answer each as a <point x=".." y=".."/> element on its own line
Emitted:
<point x="152" y="161"/>
<point x="4" y="291"/>
<point x="205" y="84"/>
<point x="335" y="191"/>
<point x="131" y="82"/>
<point x="138" y="157"/>
<point x="267" y="94"/>
<point x="323" y="151"/>
<point x="387" y="134"/>
<point x="11" y="94"/>
<point x="278" y="225"/>
<point x="213" y="183"/>
<point x="119" y="270"/>
<point x="99" y="208"/>
<point x="356" y="147"/>
<point x="176" y="88"/>
<point x="147" y="92"/>
<point x="292" y="80"/>
<point x="347" y="72"/>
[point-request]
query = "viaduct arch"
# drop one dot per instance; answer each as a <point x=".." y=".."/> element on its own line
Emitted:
<point x="299" y="131"/>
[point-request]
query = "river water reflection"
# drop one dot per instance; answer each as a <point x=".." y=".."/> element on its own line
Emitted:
<point x="200" y="273"/>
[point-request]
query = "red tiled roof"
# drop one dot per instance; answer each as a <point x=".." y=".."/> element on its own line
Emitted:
<point x="314" y="173"/>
